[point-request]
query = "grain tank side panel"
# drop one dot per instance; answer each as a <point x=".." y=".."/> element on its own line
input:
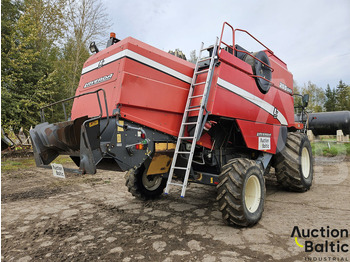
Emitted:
<point x="149" y="85"/>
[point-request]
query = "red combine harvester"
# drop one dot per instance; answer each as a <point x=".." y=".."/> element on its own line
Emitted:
<point x="223" y="121"/>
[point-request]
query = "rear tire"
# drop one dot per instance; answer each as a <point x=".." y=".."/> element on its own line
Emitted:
<point x="241" y="192"/>
<point x="294" y="165"/>
<point x="142" y="186"/>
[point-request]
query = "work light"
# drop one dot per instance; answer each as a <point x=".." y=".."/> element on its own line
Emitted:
<point x="93" y="48"/>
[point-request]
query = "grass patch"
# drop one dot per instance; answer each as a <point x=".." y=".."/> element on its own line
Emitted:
<point x="16" y="164"/>
<point x="330" y="149"/>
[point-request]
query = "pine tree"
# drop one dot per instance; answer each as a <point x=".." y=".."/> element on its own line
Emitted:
<point x="343" y="96"/>
<point x="331" y="100"/>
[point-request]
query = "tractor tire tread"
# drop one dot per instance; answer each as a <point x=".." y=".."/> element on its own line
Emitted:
<point x="230" y="190"/>
<point x="287" y="165"/>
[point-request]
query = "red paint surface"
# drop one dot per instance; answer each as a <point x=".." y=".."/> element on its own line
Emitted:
<point x="157" y="100"/>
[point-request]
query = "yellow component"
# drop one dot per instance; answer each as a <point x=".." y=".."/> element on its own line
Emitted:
<point x="120" y="129"/>
<point x="148" y="152"/>
<point x="296" y="241"/>
<point x="119" y="138"/>
<point x="93" y="123"/>
<point x="211" y="180"/>
<point x="160" y="164"/>
<point x="164" y="146"/>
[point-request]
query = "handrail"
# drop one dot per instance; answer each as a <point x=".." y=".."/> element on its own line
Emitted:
<point x="245" y="31"/>
<point x="42" y="112"/>
<point x="222" y="33"/>
<point x="242" y="51"/>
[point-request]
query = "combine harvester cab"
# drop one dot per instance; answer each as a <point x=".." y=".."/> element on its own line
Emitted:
<point x="223" y="122"/>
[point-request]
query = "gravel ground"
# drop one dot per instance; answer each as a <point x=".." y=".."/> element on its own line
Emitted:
<point x="94" y="217"/>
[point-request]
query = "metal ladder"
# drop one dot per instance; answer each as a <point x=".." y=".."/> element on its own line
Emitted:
<point x="185" y="121"/>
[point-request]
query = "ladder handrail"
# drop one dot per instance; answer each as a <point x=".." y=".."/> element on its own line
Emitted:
<point x="233" y="47"/>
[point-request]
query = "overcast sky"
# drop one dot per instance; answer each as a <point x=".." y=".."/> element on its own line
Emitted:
<point x="311" y="36"/>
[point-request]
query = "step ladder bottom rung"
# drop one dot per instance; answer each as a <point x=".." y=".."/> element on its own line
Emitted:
<point x="175" y="184"/>
<point x="180" y="168"/>
<point x="193" y="109"/>
<point x="184" y="152"/>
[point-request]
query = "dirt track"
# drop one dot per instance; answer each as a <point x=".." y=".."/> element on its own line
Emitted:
<point x="90" y="218"/>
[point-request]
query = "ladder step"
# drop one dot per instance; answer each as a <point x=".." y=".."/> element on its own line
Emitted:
<point x="196" y="96"/>
<point x="189" y="123"/>
<point x="180" y="168"/>
<point x="196" y="106"/>
<point x="186" y="137"/>
<point x="202" y="71"/>
<point x="206" y="48"/>
<point x="193" y="109"/>
<point x="204" y="59"/>
<point x="184" y="152"/>
<point x="175" y="184"/>
<point x="201" y="83"/>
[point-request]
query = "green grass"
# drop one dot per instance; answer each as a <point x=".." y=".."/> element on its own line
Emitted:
<point x="25" y="163"/>
<point x="330" y="149"/>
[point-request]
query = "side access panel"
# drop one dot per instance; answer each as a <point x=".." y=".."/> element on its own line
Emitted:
<point x="262" y="137"/>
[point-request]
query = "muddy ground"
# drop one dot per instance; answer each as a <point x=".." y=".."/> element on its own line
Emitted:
<point x="94" y="218"/>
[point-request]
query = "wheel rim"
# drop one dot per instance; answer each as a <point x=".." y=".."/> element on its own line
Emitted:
<point x="305" y="162"/>
<point x="151" y="183"/>
<point x="252" y="194"/>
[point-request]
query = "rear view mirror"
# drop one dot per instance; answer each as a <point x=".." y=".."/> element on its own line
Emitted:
<point x="305" y="100"/>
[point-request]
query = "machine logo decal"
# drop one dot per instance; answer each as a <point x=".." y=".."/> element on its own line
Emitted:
<point x="263" y="134"/>
<point x="100" y="64"/>
<point x="286" y="88"/>
<point x="98" y="80"/>
<point x="141" y="59"/>
<point x="253" y="99"/>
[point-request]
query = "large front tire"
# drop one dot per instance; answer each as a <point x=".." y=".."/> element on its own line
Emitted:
<point x="241" y="192"/>
<point x="142" y="186"/>
<point x="294" y="165"/>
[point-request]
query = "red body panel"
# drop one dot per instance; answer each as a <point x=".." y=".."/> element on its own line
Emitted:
<point x="253" y="132"/>
<point x="147" y="95"/>
<point x="151" y="87"/>
<point x="226" y="103"/>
